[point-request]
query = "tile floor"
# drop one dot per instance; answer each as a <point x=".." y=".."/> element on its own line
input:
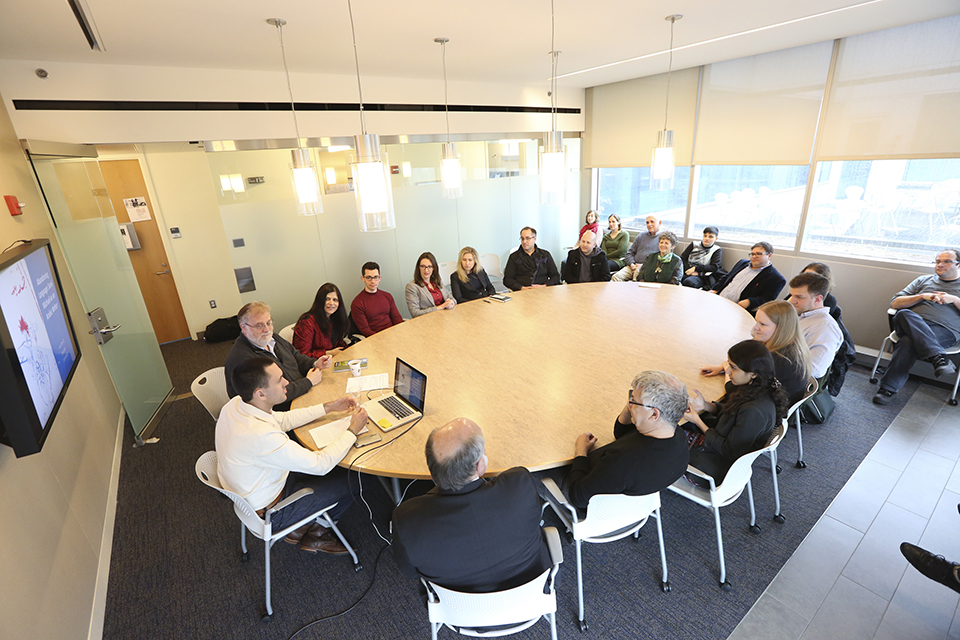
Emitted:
<point x="848" y="579"/>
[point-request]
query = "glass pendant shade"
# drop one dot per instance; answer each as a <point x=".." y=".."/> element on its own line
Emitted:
<point x="552" y="169"/>
<point x="661" y="163"/>
<point x="372" y="186"/>
<point x="306" y="182"/>
<point x="450" y="171"/>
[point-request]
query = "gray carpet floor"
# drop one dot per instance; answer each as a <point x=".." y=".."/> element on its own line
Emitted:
<point x="175" y="569"/>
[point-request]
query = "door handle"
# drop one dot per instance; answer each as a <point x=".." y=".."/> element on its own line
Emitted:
<point x="160" y="273"/>
<point x="108" y="329"/>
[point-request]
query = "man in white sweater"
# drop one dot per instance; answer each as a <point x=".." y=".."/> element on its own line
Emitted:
<point x="255" y="456"/>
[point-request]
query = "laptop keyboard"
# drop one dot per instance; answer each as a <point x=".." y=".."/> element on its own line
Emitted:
<point x="395" y="407"/>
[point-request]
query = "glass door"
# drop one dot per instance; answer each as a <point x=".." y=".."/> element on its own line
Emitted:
<point x="97" y="257"/>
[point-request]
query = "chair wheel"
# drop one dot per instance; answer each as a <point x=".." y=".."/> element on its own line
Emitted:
<point x="726" y="586"/>
<point x="873" y="381"/>
<point x="568" y="536"/>
<point x="755" y="528"/>
<point x="266" y="617"/>
<point x="779" y="519"/>
<point x="244" y="556"/>
<point x="779" y="469"/>
<point x="583" y="626"/>
<point x="665" y="587"/>
<point x="801" y="464"/>
<point x="952" y="402"/>
<point x="358" y="567"/>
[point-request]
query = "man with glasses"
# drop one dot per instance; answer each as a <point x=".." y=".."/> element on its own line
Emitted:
<point x="530" y="266"/>
<point x="649" y="451"/>
<point x="927" y="321"/>
<point x="373" y="310"/>
<point x="752" y="287"/>
<point x="257" y="339"/>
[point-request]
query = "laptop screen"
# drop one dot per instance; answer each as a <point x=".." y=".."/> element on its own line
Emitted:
<point x="410" y="384"/>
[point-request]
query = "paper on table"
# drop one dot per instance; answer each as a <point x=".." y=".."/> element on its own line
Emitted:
<point x="327" y="433"/>
<point x="651" y="285"/>
<point x="367" y="383"/>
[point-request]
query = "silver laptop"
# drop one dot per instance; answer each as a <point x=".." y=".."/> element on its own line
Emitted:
<point x="404" y="404"/>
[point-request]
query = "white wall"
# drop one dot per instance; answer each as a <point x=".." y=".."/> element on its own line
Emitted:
<point x="55" y="503"/>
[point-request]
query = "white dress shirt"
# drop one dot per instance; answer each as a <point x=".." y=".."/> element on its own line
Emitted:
<point x="255" y="455"/>
<point x="823" y="337"/>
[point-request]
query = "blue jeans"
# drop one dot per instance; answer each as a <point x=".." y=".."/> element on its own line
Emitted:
<point x="327" y="489"/>
<point x="917" y="341"/>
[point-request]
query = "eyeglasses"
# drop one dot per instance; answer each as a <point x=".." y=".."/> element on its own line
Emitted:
<point x="371" y="278"/>
<point x="639" y="404"/>
<point x="527" y="237"/>
<point x="260" y="326"/>
<point x="426" y="267"/>
<point x="945" y="262"/>
<point x="754" y="254"/>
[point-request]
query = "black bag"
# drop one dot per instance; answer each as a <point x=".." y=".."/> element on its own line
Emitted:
<point x="817" y="409"/>
<point x="222" y="329"/>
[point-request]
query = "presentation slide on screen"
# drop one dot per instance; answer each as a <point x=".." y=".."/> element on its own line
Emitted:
<point x="38" y="327"/>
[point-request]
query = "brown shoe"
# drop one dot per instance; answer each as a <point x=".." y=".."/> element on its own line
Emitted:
<point x="295" y="536"/>
<point x="325" y="543"/>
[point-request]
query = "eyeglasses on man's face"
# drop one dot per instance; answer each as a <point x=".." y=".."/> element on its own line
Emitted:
<point x="944" y="262"/>
<point x="371" y="278"/>
<point x="639" y="404"/>
<point x="527" y="238"/>
<point x="260" y="326"/>
<point x="754" y="254"/>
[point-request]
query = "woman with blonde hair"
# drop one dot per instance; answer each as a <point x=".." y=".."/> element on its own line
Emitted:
<point x="470" y="281"/>
<point x="778" y="327"/>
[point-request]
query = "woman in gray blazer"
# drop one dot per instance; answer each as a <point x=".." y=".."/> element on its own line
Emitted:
<point x="426" y="293"/>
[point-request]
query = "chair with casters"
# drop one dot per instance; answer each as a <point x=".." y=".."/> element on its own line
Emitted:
<point x="891" y="341"/>
<point x="771" y="450"/>
<point x="262" y="528"/>
<point x="736" y="480"/>
<point x="609" y="517"/>
<point x="210" y="388"/>
<point x="287" y="332"/>
<point x="500" y="613"/>
<point x="794" y="412"/>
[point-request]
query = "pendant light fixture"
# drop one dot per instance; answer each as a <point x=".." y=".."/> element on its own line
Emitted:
<point x="552" y="163"/>
<point x="449" y="160"/>
<point x="662" y="162"/>
<point x="371" y="178"/>
<point x="306" y="182"/>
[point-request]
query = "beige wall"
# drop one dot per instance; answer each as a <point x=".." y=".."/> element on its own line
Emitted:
<point x="55" y="503"/>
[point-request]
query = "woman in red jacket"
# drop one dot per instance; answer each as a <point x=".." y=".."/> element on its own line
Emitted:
<point x="322" y="329"/>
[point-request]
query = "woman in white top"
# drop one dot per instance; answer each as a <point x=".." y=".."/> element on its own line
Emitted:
<point x="427" y="293"/>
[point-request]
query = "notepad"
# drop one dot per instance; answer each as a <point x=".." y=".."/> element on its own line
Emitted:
<point x="650" y="285"/>
<point x="368" y="383"/>
<point x="326" y="434"/>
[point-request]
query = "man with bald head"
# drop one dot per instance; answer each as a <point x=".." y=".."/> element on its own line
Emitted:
<point x="454" y="535"/>
<point x="586" y="263"/>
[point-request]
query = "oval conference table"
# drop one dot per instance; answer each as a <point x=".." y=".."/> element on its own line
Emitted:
<point x="538" y="370"/>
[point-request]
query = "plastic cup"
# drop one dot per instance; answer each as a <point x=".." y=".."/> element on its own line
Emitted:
<point x="355" y="367"/>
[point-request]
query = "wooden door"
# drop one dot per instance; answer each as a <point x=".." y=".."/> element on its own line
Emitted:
<point x="124" y="180"/>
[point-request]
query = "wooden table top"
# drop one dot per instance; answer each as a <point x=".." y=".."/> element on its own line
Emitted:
<point x="539" y="370"/>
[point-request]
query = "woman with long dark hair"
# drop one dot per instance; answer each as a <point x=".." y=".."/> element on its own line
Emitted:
<point x="322" y="329"/>
<point x="743" y="419"/>
<point x="427" y="292"/>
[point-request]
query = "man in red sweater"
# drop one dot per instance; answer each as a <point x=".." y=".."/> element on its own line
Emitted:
<point x="373" y="310"/>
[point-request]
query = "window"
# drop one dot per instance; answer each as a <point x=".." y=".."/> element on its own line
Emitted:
<point x="885" y="209"/>
<point x="749" y="203"/>
<point x="626" y="192"/>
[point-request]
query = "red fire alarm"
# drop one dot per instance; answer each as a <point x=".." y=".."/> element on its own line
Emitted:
<point x="395" y="169"/>
<point x="14" y="204"/>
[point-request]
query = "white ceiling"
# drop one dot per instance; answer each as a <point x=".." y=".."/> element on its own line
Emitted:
<point x="503" y="41"/>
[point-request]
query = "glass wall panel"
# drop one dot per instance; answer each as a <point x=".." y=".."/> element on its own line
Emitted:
<point x="900" y="210"/>
<point x="748" y="203"/>
<point x="626" y="193"/>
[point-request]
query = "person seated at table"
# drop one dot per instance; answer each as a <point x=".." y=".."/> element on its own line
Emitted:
<point x="530" y="266"/>
<point x="373" y="310"/>
<point x="615" y="243"/>
<point x="592" y="223"/>
<point x="427" y="293"/>
<point x="454" y="535"/>
<point x="648" y="453"/>
<point x="820" y="330"/>
<point x="751" y="287"/>
<point x="823" y="269"/>
<point x="778" y="327"/>
<point x="257" y="459"/>
<point x="701" y="262"/>
<point x="323" y="328"/>
<point x="470" y="280"/>
<point x="258" y="339"/>
<point x="664" y="266"/>
<point x="743" y="419"/>
<point x="643" y="245"/>
<point x="586" y="263"/>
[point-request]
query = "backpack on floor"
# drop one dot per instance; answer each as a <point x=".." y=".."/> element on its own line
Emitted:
<point x="222" y="329"/>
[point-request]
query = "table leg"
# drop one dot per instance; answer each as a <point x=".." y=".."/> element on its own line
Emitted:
<point x="392" y="488"/>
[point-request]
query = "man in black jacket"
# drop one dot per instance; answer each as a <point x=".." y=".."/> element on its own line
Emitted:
<point x="530" y="266"/>
<point x="753" y="286"/>
<point x="470" y="534"/>
<point x="586" y="263"/>
<point x="258" y="339"/>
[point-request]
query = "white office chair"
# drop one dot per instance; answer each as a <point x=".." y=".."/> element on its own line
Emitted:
<point x="794" y="412"/>
<point x="210" y="388"/>
<point x="287" y="332"/>
<point x="737" y="478"/>
<point x="206" y="469"/>
<point x="491" y="264"/>
<point x="510" y="611"/>
<point x="446" y="268"/>
<point x="892" y="339"/>
<point x="609" y="518"/>
<point x="779" y="433"/>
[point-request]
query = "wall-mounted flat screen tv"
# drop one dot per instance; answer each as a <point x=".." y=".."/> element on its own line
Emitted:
<point x="40" y="351"/>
